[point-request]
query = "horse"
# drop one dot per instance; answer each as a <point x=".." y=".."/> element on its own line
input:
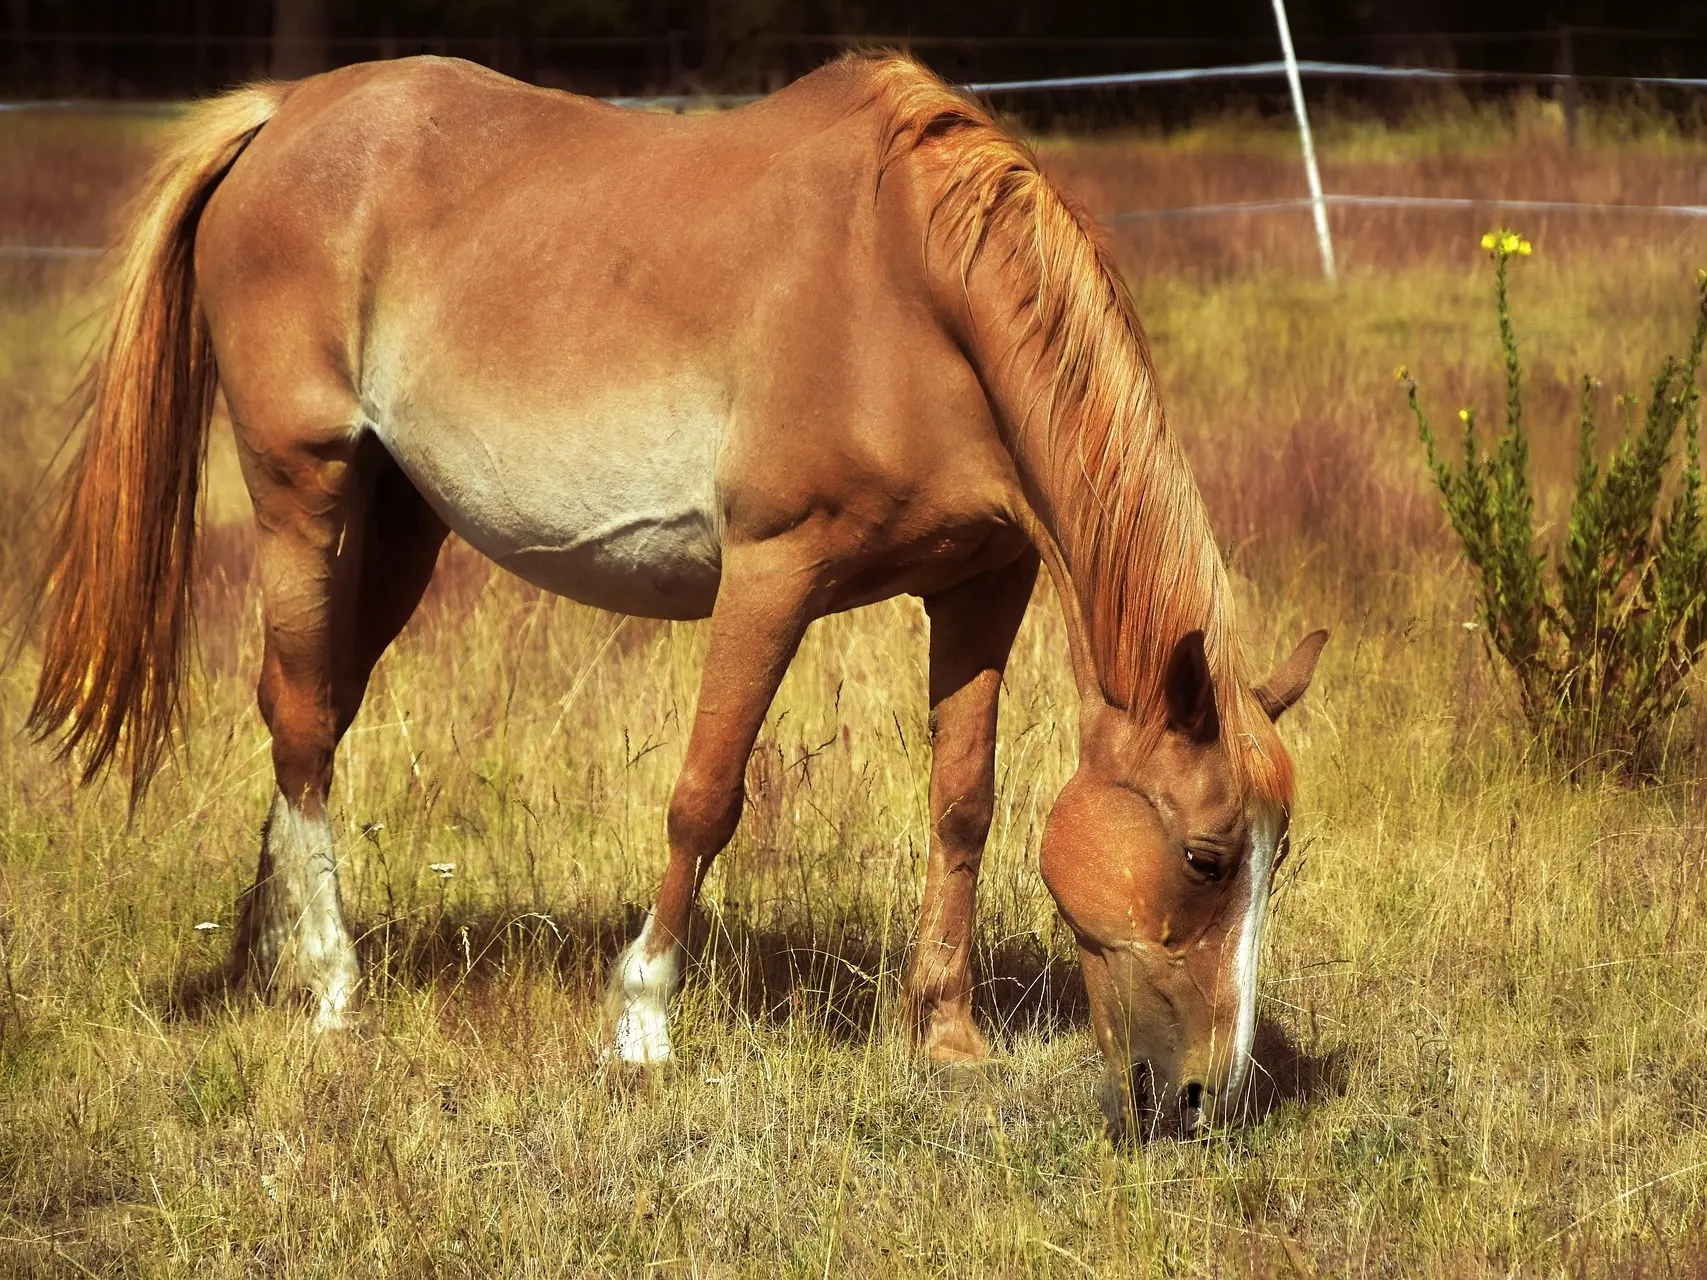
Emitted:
<point x="841" y="344"/>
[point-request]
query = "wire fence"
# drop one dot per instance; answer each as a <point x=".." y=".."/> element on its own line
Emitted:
<point x="1347" y="201"/>
<point x="1338" y="70"/>
<point x="184" y="63"/>
<point x="1315" y="69"/>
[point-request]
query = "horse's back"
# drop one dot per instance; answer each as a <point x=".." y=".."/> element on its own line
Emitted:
<point x="367" y="162"/>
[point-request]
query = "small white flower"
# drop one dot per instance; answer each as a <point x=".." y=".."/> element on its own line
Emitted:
<point x="443" y="870"/>
<point x="208" y="926"/>
<point x="1472" y="625"/>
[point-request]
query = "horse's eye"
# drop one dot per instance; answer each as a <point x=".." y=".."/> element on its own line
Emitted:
<point x="1206" y="862"/>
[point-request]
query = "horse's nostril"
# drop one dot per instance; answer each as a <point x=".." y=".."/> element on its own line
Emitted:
<point x="1191" y="1097"/>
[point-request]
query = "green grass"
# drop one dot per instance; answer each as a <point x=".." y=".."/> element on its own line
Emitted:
<point x="1484" y="990"/>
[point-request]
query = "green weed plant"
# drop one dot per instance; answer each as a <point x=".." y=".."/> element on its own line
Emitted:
<point x="1602" y="646"/>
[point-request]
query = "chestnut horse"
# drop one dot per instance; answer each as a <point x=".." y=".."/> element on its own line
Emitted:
<point x="841" y="344"/>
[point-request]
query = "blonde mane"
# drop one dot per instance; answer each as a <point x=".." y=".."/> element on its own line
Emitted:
<point x="1126" y="511"/>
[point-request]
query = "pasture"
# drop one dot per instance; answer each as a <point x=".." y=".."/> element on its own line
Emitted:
<point x="1484" y="1039"/>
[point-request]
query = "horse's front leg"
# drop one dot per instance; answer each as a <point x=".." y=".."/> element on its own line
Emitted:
<point x="972" y="630"/>
<point x="763" y="607"/>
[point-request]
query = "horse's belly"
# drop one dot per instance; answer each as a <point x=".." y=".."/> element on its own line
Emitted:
<point x="658" y="563"/>
<point x="621" y="515"/>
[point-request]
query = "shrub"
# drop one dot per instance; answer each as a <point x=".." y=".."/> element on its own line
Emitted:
<point x="1602" y="645"/>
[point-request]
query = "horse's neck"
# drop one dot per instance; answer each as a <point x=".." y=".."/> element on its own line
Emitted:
<point x="1035" y="444"/>
<point x="1118" y="518"/>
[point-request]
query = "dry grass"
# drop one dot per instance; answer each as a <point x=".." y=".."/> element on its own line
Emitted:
<point x="1484" y="989"/>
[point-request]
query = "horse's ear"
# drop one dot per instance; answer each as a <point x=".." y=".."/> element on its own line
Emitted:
<point x="1291" y="677"/>
<point x="1190" y="691"/>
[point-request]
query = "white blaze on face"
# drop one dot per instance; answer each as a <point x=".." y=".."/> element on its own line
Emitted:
<point x="1259" y="877"/>
<point x="641" y="990"/>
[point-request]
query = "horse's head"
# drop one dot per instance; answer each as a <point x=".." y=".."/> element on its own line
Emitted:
<point x="1160" y="853"/>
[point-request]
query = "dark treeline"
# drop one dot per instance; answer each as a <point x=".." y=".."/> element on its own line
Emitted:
<point x="152" y="48"/>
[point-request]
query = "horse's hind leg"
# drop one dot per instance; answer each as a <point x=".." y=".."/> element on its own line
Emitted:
<point x="972" y="629"/>
<point x="346" y="547"/>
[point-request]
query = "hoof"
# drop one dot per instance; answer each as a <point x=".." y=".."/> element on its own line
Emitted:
<point x="637" y="1004"/>
<point x="625" y="1079"/>
<point x="334" y="996"/>
<point x="333" y="1018"/>
<point x="954" y="1043"/>
<point x="641" y="1036"/>
<point x="967" y="1078"/>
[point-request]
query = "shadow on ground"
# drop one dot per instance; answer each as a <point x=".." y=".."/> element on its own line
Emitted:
<point x="841" y="973"/>
<point x="840" y="976"/>
<point x="1285" y="1071"/>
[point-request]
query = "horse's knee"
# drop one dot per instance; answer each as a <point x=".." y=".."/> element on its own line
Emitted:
<point x="963" y="794"/>
<point x="963" y="787"/>
<point x="704" y="812"/>
<point x="963" y="823"/>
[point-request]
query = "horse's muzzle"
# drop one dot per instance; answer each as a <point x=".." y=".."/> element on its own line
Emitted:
<point x="1134" y="1109"/>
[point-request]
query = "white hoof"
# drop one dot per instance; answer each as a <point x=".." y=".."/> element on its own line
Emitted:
<point x="294" y="937"/>
<point x="334" y="1007"/>
<point x="642" y="1035"/>
<point x="639" y="999"/>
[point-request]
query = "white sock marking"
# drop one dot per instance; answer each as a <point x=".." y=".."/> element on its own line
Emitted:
<point x="644" y="984"/>
<point x="307" y="920"/>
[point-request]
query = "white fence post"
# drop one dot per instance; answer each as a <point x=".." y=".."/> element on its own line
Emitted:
<point x="1318" y="205"/>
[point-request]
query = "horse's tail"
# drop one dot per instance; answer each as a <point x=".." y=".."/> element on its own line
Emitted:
<point x="115" y="590"/>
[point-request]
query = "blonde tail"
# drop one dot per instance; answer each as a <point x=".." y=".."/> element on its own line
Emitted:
<point x="116" y="591"/>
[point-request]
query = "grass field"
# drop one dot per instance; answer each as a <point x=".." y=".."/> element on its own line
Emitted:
<point x="1485" y="1036"/>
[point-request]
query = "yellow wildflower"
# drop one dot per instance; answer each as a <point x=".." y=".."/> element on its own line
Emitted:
<point x="1506" y="244"/>
<point x="1402" y="374"/>
<point x="1464" y="415"/>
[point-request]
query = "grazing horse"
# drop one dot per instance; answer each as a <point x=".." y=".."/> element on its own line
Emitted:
<point x="841" y="344"/>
